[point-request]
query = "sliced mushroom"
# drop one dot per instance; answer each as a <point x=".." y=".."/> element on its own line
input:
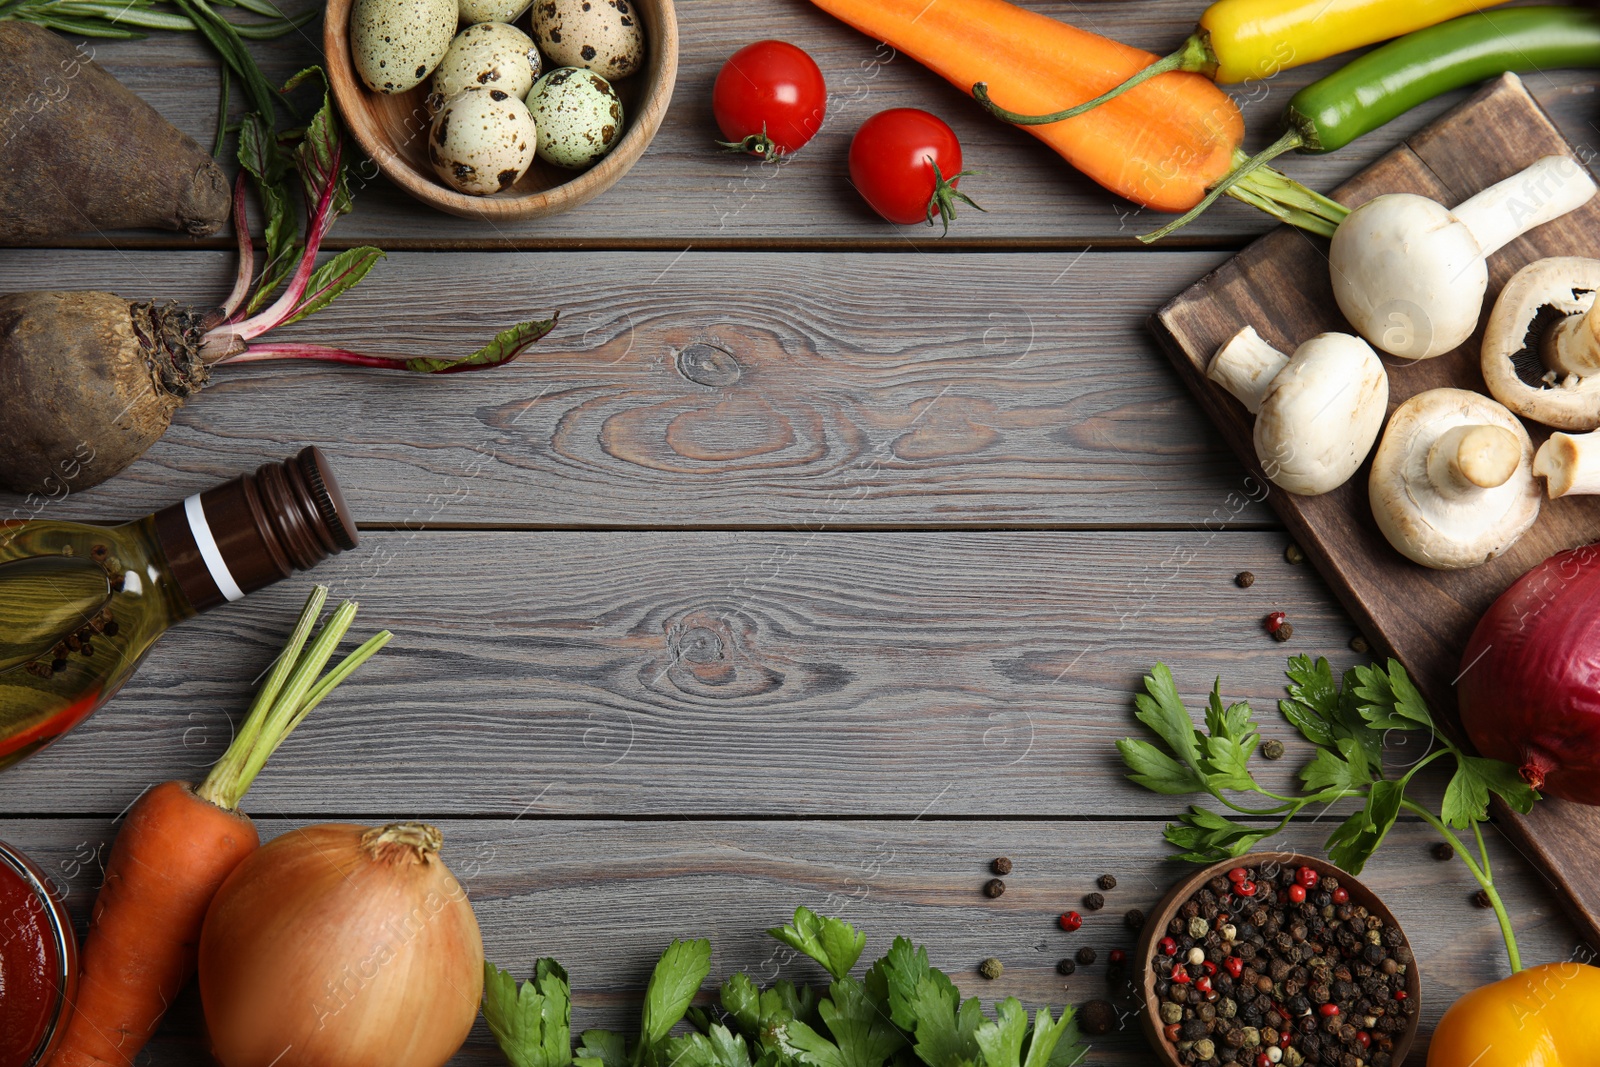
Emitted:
<point x="1410" y="274"/>
<point x="1541" y="352"/>
<point x="1452" y="482"/>
<point x="1317" y="413"/>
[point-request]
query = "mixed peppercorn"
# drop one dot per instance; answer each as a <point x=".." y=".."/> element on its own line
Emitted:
<point x="1275" y="965"/>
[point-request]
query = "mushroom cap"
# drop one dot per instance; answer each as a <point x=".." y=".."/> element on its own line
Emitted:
<point x="1434" y="528"/>
<point x="1567" y="284"/>
<point x="1321" y="414"/>
<point x="1409" y="275"/>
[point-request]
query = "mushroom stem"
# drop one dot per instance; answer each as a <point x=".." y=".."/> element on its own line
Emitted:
<point x="1569" y="464"/>
<point x="1245" y="366"/>
<point x="1572" y="346"/>
<point x="1552" y="187"/>
<point x="1468" y="458"/>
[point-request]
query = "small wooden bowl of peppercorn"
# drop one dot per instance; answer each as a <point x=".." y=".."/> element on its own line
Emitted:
<point x="1288" y="944"/>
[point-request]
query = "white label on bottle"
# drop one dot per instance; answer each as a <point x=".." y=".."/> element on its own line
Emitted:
<point x="196" y="513"/>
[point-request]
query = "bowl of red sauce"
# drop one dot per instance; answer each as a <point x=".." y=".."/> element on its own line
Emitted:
<point x="38" y="963"/>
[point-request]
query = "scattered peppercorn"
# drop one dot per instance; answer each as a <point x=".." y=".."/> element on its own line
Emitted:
<point x="1444" y="851"/>
<point x="1094" y="901"/>
<point x="1358" y="645"/>
<point x="1293" y="555"/>
<point x="1272" y="749"/>
<point x="1283" y="633"/>
<point x="1481" y="899"/>
<point x="1070" y="921"/>
<point x="991" y="968"/>
<point x="1108" y="882"/>
<point x="1066" y="966"/>
<point x="1133" y="919"/>
<point x="1244" y="579"/>
<point x="1097" y="1017"/>
<point x="1086" y="955"/>
<point x="1274" y="621"/>
<point x="1001" y="865"/>
<point x="993" y="887"/>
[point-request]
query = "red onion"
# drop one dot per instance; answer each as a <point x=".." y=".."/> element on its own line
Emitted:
<point x="1530" y="677"/>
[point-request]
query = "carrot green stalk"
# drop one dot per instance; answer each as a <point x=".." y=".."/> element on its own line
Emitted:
<point x="177" y="846"/>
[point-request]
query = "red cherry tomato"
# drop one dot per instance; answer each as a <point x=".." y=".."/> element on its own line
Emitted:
<point x="769" y="99"/>
<point x="906" y="163"/>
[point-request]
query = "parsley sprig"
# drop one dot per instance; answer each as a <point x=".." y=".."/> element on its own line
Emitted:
<point x="1347" y="723"/>
<point x="903" y="1012"/>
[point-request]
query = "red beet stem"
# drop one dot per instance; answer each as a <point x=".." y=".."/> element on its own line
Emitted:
<point x="247" y="254"/>
<point x="284" y="308"/>
<point x="325" y="353"/>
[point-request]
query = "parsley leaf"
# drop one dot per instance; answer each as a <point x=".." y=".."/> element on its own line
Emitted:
<point x="531" y="1024"/>
<point x="1466" y="798"/>
<point x="1389" y="700"/>
<point x="1162" y="710"/>
<point x="832" y="942"/>
<point x="1155" y="770"/>
<point x="718" y="1047"/>
<point x="677" y="977"/>
<point x="1207" y="837"/>
<point x="1358" y="837"/>
<point x="859" y="1031"/>
<point x="602" y="1048"/>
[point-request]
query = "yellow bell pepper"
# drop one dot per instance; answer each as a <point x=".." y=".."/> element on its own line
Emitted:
<point x="1258" y="38"/>
<point x="1545" y="1016"/>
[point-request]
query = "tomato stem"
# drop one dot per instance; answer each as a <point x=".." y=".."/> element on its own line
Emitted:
<point x="757" y="144"/>
<point x="945" y="195"/>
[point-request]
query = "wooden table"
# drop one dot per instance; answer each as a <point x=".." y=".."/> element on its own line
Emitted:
<point x="811" y="560"/>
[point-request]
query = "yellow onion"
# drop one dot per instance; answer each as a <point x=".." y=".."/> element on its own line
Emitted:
<point x="341" y="946"/>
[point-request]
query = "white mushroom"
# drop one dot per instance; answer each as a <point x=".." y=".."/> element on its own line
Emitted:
<point x="1569" y="464"/>
<point x="1317" y="413"/>
<point x="1452" y="481"/>
<point x="1411" y="275"/>
<point x="1541" y="352"/>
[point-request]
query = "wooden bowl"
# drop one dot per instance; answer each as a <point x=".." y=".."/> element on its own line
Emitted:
<point x="1155" y="927"/>
<point x="393" y="130"/>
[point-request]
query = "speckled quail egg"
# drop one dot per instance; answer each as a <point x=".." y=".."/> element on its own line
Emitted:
<point x="476" y="11"/>
<point x="578" y="116"/>
<point x="599" y="35"/>
<point x="397" y="43"/>
<point x="482" y="141"/>
<point x="489" y="54"/>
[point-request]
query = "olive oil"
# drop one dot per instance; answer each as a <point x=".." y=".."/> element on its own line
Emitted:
<point x="80" y="605"/>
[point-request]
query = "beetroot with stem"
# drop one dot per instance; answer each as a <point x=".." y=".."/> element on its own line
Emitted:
<point x="1530" y="677"/>
<point x="90" y="380"/>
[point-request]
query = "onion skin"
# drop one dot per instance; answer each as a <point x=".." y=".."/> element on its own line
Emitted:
<point x="341" y="946"/>
<point x="1530" y="677"/>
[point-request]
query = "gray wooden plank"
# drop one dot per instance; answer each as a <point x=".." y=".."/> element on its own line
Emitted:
<point x="709" y="389"/>
<point x="684" y="191"/>
<point x="606" y="897"/>
<point x="714" y="673"/>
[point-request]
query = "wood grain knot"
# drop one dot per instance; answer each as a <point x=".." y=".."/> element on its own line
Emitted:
<point x="709" y="365"/>
<point x="711" y="654"/>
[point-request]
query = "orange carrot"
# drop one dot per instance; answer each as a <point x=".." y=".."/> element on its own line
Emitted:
<point x="171" y="856"/>
<point x="174" y="851"/>
<point x="1165" y="145"/>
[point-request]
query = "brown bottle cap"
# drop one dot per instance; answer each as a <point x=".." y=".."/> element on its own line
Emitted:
<point x="255" y="530"/>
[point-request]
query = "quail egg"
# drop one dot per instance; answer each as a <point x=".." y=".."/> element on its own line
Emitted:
<point x="397" y="43"/>
<point x="476" y="11"/>
<point x="578" y="116"/>
<point x="482" y="141"/>
<point x="599" y="35"/>
<point x="488" y="54"/>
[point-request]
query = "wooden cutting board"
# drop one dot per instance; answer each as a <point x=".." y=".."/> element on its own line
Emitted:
<point x="1280" y="285"/>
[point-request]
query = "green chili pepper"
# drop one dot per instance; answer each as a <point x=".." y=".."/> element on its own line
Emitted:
<point x="1411" y="70"/>
<point x="1389" y="81"/>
